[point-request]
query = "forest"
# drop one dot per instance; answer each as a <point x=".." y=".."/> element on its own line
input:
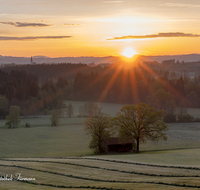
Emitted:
<point x="36" y="89"/>
<point x="19" y="88"/>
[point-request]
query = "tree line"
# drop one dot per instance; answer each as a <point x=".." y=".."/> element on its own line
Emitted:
<point x="162" y="89"/>
<point x="89" y="109"/>
<point x="22" y="89"/>
<point x="136" y="85"/>
<point x="38" y="92"/>
<point x="50" y="71"/>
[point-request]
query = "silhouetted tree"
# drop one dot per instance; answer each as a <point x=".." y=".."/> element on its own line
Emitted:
<point x="192" y="99"/>
<point x="3" y="107"/>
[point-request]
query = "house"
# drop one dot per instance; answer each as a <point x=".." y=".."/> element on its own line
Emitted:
<point x="115" y="145"/>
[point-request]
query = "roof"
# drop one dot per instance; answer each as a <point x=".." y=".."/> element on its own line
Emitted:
<point x="114" y="141"/>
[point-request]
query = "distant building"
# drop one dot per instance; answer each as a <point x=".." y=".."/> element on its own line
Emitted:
<point x="32" y="63"/>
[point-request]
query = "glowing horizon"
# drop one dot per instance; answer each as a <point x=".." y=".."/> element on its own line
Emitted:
<point x="99" y="29"/>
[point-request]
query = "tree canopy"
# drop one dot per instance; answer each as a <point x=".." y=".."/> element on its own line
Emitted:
<point x="13" y="117"/>
<point x="140" y="123"/>
<point x="98" y="127"/>
<point x="3" y="107"/>
<point x="55" y="117"/>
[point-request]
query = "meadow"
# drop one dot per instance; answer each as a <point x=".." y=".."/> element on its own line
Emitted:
<point x="59" y="157"/>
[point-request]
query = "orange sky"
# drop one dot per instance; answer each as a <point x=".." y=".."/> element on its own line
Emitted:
<point x="59" y="28"/>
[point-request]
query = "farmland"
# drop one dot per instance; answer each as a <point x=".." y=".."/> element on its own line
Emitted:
<point x="58" y="157"/>
<point x="93" y="173"/>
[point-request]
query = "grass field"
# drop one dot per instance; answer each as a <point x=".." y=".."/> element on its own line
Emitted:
<point x="112" y="109"/>
<point x="69" y="138"/>
<point x="91" y="173"/>
<point x="49" y="151"/>
<point x="42" y="140"/>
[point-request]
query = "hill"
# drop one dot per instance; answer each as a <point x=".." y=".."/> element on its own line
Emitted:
<point x="96" y="60"/>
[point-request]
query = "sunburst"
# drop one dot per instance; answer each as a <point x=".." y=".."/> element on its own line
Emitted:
<point x="129" y="52"/>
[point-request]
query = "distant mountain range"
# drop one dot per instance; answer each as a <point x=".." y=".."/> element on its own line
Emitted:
<point x="95" y="60"/>
<point x="184" y="57"/>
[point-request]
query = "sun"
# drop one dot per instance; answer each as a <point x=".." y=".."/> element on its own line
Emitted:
<point x="129" y="52"/>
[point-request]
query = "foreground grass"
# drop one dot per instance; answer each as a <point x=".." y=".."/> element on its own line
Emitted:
<point x="69" y="139"/>
<point x="90" y="173"/>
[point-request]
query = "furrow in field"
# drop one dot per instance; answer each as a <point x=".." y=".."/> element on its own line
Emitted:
<point x="147" y="181"/>
<point x="122" y="167"/>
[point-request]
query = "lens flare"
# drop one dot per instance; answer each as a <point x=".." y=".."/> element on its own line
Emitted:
<point x="129" y="52"/>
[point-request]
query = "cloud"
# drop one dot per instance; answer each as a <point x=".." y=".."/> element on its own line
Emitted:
<point x="71" y="24"/>
<point x="43" y="21"/>
<point x="113" y="1"/>
<point x="180" y="5"/>
<point x="159" y="35"/>
<point x="29" y="38"/>
<point x="26" y="24"/>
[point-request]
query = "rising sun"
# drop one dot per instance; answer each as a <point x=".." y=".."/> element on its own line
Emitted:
<point x="128" y="52"/>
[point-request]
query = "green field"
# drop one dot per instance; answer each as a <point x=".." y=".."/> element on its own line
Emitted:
<point x="50" y="150"/>
<point x="69" y="138"/>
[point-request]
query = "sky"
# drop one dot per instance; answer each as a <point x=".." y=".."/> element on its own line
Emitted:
<point x="74" y="28"/>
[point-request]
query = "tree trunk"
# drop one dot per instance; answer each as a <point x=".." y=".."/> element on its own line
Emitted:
<point x="100" y="148"/>
<point x="138" y="145"/>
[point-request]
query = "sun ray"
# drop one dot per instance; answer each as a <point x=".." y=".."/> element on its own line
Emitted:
<point x="134" y="87"/>
<point x="124" y="82"/>
<point x="163" y="82"/>
<point x="107" y="71"/>
<point x="109" y="85"/>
